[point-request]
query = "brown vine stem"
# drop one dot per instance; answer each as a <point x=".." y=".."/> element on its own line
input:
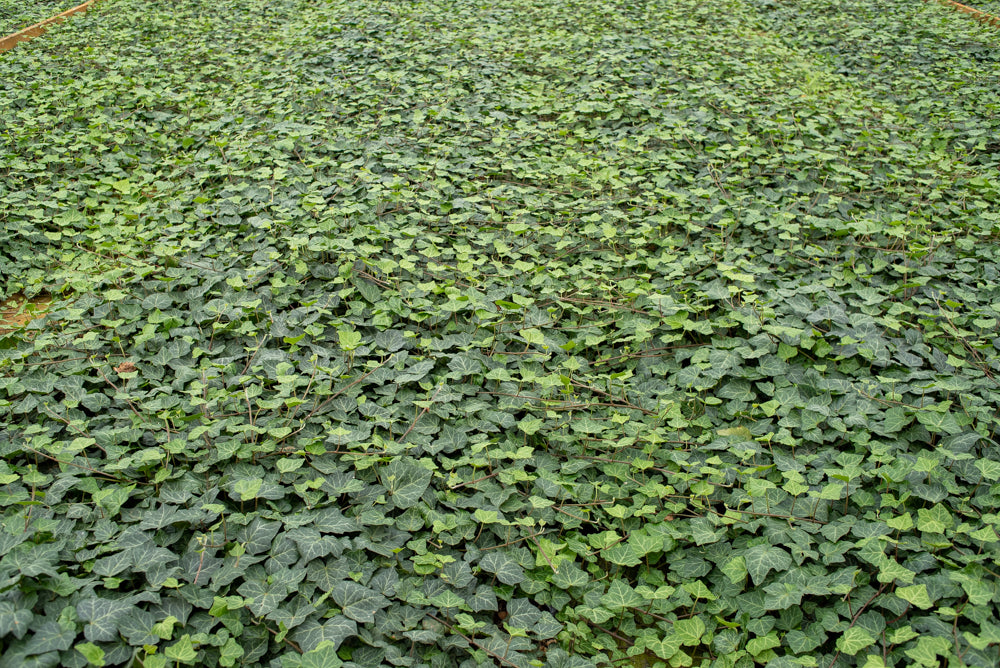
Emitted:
<point x="107" y="380"/>
<point x="333" y="396"/>
<point x="79" y="466"/>
<point x="473" y="482"/>
<point x="614" y="635"/>
<point x="780" y="517"/>
<point x="290" y="643"/>
<point x="513" y="542"/>
<point x="420" y="414"/>
<point x="468" y="639"/>
<point x="69" y="424"/>
<point x="856" y="616"/>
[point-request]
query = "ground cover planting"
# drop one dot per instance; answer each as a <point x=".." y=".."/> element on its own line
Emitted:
<point x="523" y="334"/>
<point x="19" y="14"/>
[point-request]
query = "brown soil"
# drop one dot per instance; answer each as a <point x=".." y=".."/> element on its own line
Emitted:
<point x="17" y="311"/>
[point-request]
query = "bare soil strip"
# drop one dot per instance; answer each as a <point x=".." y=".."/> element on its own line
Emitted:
<point x="972" y="11"/>
<point x="10" y="41"/>
<point x="17" y="311"/>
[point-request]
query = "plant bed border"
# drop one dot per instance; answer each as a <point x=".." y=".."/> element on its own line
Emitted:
<point x="977" y="14"/>
<point x="10" y="41"/>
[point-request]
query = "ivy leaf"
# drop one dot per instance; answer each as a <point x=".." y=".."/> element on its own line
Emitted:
<point x="928" y="649"/>
<point x="530" y="426"/>
<point x="335" y="630"/>
<point x="802" y="643"/>
<point x="182" y="651"/>
<point x="989" y="469"/>
<point x="230" y="653"/>
<point x="895" y="420"/>
<point x="935" y="519"/>
<point x="92" y="653"/>
<point x="13" y="620"/>
<point x="916" y="595"/>
<point x="620" y="596"/>
<point x="854" y="640"/>
<point x="50" y="637"/>
<point x="102" y="617"/>
<point x="939" y="422"/>
<point x="358" y="602"/>
<point x="247" y="488"/>
<point x="323" y="657"/>
<point x="665" y="648"/>
<point x="263" y="597"/>
<point x="735" y="569"/>
<point x="781" y="595"/>
<point x="762" y="559"/>
<point x="505" y="568"/>
<point x="405" y="482"/>
<point x="689" y="631"/>
<point x="484" y="598"/>
<point x="569" y="575"/>
<point x="464" y="364"/>
<point x="597" y="615"/>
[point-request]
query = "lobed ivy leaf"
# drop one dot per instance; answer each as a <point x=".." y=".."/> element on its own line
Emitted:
<point x="762" y="559"/>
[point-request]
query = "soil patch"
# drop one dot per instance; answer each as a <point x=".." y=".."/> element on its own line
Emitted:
<point x="17" y="311"/>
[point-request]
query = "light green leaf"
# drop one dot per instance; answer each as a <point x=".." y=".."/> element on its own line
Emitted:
<point x="989" y="469"/>
<point x="763" y="643"/>
<point x="165" y="629"/>
<point x="928" y="649"/>
<point x="349" y="339"/>
<point x="182" y="651"/>
<point x="935" y="519"/>
<point x="92" y="653"/>
<point x="322" y="657"/>
<point x="689" y="631"/>
<point x="735" y="569"/>
<point x="890" y="570"/>
<point x="664" y="647"/>
<point x="621" y="596"/>
<point x="902" y="522"/>
<point x="854" y="640"/>
<point x="530" y="426"/>
<point x="916" y="595"/>
<point x="699" y="590"/>
<point x="230" y="653"/>
<point x="533" y="336"/>
<point x="247" y="488"/>
<point x="939" y="422"/>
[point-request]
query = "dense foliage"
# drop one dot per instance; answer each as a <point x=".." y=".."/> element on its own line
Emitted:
<point x="528" y="333"/>
<point x="19" y="14"/>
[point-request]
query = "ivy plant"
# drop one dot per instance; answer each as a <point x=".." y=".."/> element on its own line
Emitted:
<point x="449" y="333"/>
